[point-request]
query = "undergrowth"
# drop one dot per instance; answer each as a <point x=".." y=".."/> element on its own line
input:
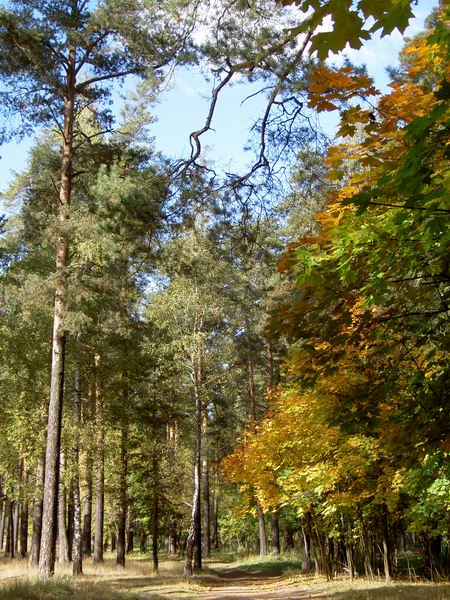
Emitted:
<point x="61" y="589"/>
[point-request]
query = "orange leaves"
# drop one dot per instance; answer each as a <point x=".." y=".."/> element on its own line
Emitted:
<point x="330" y="88"/>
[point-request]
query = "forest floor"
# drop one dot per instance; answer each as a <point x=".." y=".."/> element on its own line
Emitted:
<point x="251" y="579"/>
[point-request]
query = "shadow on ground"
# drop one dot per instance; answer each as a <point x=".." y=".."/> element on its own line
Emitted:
<point x="393" y="592"/>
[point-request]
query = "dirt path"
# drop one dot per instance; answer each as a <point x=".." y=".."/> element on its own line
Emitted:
<point x="240" y="584"/>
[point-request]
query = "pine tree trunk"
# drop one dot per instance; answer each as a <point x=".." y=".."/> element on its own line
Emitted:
<point x="70" y="523"/>
<point x="251" y="389"/>
<point x="87" y="507"/>
<point x="261" y="530"/>
<point x="275" y="533"/>
<point x="16" y="526"/>
<point x="2" y="513"/>
<point x="155" y="510"/>
<point x="215" y="514"/>
<point x="100" y="468"/>
<point x="37" y="514"/>
<point x="122" y="507"/>
<point x="9" y="528"/>
<point x="77" y="554"/>
<point x="194" y="538"/>
<point x="129" y="531"/>
<point x="171" y="536"/>
<point x="48" y="538"/>
<point x="206" y="511"/>
<point x="62" y="526"/>
<point x="24" y="527"/>
<point x="2" y="523"/>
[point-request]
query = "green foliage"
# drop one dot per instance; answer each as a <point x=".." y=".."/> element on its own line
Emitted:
<point x="350" y="21"/>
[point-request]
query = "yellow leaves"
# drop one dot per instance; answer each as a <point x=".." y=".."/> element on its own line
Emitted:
<point x="330" y="87"/>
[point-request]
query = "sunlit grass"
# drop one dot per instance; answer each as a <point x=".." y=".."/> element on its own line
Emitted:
<point x="107" y="581"/>
<point x="373" y="589"/>
<point x="61" y="589"/>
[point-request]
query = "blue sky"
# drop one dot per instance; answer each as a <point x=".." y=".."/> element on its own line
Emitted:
<point x="182" y="108"/>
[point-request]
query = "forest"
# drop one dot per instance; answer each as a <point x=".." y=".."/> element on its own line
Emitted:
<point x="224" y="381"/>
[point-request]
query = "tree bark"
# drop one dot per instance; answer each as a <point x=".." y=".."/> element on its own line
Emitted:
<point x="261" y="530"/>
<point x="2" y="513"/>
<point x="306" y="534"/>
<point x="16" y="525"/>
<point x="48" y="537"/>
<point x="130" y="537"/>
<point x="37" y="514"/>
<point x="206" y="510"/>
<point x="143" y="542"/>
<point x="386" y="542"/>
<point x="9" y="528"/>
<point x="155" y="510"/>
<point x="251" y="389"/>
<point x="62" y="525"/>
<point x="24" y="526"/>
<point x="275" y="533"/>
<point x="194" y="534"/>
<point x="87" y="507"/>
<point x="77" y="554"/>
<point x="70" y="522"/>
<point x="215" y="513"/>
<point x="100" y="468"/>
<point x="122" y="507"/>
<point x="2" y="524"/>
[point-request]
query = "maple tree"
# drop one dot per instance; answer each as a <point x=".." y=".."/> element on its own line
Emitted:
<point x="365" y="383"/>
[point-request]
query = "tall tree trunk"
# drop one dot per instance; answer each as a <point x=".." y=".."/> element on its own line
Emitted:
<point x="24" y="527"/>
<point x="77" y="554"/>
<point x="16" y="521"/>
<point x="122" y="505"/>
<point x="261" y="530"/>
<point x="347" y="526"/>
<point x="70" y="523"/>
<point x="206" y="510"/>
<point x="251" y="389"/>
<point x="62" y="525"/>
<point x="37" y="514"/>
<point x="2" y="513"/>
<point x="306" y="534"/>
<point x="194" y="534"/>
<point x="386" y="542"/>
<point x="9" y="528"/>
<point x="155" y="510"/>
<point x="100" y="467"/>
<point x="2" y="524"/>
<point x="130" y="535"/>
<point x="215" y="513"/>
<point x="48" y="538"/>
<point x="275" y="533"/>
<point x="87" y="507"/>
<point x="143" y="542"/>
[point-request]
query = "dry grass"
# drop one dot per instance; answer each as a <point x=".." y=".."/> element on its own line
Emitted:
<point x="137" y="581"/>
<point x="61" y="589"/>
<point x="373" y="589"/>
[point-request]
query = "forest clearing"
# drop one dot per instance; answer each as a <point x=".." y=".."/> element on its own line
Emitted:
<point x="224" y="299"/>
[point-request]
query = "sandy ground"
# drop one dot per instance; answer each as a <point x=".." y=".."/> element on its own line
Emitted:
<point x="224" y="582"/>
